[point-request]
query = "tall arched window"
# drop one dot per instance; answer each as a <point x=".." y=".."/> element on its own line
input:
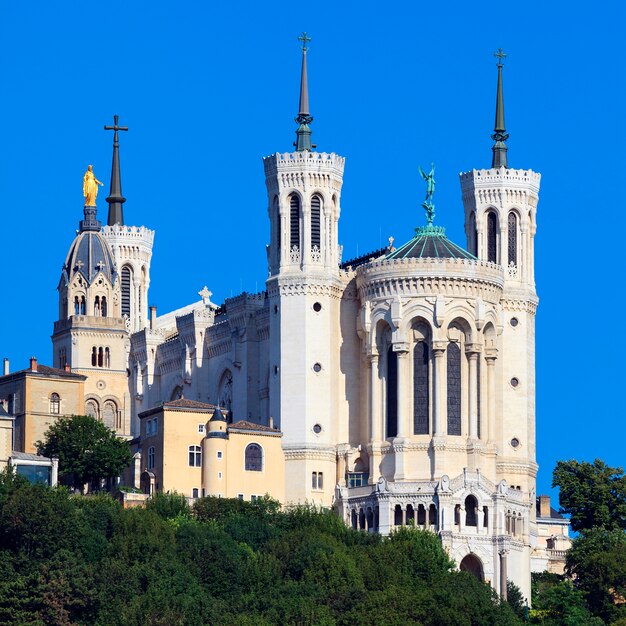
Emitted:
<point x="76" y="306"/>
<point x="512" y="228"/>
<point x="392" y="392"/>
<point x="91" y="408"/>
<point x="55" y="404"/>
<point x="421" y="396"/>
<point x="83" y="306"/>
<point x="294" y="221"/>
<point x="103" y="306"/>
<point x="254" y="458"/>
<point x="473" y="235"/>
<point x="126" y="287"/>
<point x="316" y="225"/>
<point x="151" y="457"/>
<point x="454" y="388"/>
<point x="94" y="356"/>
<point x="96" y="306"/>
<point x="470" y="511"/>
<point x="109" y="412"/>
<point x="492" y="237"/>
<point x="100" y="357"/>
<point x="107" y="357"/>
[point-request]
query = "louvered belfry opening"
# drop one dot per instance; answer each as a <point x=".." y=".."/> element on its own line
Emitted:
<point x="512" y="228"/>
<point x="420" y="388"/>
<point x="492" y="245"/>
<point x="294" y="221"/>
<point x="392" y="392"/>
<point x="126" y="281"/>
<point x="454" y="388"/>
<point x="316" y="211"/>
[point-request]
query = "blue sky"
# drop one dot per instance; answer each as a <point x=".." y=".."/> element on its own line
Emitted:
<point x="209" y="88"/>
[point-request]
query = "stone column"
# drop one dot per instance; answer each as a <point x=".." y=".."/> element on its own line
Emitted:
<point x="439" y="412"/>
<point x="503" y="573"/>
<point x="375" y="417"/>
<point x="472" y="352"/>
<point x="490" y="425"/>
<point x="54" y="471"/>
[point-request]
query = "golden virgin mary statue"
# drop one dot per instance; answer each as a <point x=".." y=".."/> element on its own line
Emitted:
<point x="90" y="186"/>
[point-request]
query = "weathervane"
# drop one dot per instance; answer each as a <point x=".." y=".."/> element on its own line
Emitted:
<point x="430" y="190"/>
<point x="304" y="38"/>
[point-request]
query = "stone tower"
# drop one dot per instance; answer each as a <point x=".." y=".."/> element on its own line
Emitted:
<point x="131" y="246"/>
<point x="304" y="290"/>
<point x="90" y="335"/>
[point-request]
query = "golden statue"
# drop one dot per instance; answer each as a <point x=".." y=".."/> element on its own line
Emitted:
<point x="90" y="186"/>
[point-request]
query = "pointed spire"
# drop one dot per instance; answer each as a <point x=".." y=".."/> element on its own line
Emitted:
<point x="499" y="135"/>
<point x="303" y="134"/>
<point x="116" y="199"/>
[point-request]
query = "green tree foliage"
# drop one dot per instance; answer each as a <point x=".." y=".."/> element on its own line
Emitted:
<point x="88" y="451"/>
<point x="72" y="559"/>
<point x="592" y="494"/>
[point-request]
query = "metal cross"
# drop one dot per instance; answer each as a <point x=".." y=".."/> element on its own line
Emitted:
<point x="304" y="38"/>
<point x="115" y="128"/>
<point x="500" y="56"/>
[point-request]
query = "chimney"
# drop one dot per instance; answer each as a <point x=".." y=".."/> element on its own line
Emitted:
<point x="6" y="367"/>
<point x="152" y="317"/>
<point x="33" y="364"/>
<point x="67" y="367"/>
<point x="544" y="506"/>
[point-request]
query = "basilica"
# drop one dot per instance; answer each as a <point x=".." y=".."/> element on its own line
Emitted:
<point x="398" y="388"/>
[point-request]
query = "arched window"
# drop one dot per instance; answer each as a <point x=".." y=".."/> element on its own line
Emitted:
<point x="83" y="305"/>
<point x="470" y="511"/>
<point x="126" y="287"/>
<point x="76" y="306"/>
<point x="492" y="237"/>
<point x="473" y="235"/>
<point x="294" y="221"/>
<point x="316" y="226"/>
<point x="420" y="388"/>
<point x="94" y="356"/>
<point x="109" y="414"/>
<point x="91" y="408"/>
<point x="392" y="392"/>
<point x="512" y="228"/>
<point x="195" y="456"/>
<point x="104" y="306"/>
<point x="55" y="404"/>
<point x="96" y="306"/>
<point x="254" y="458"/>
<point x="100" y="357"/>
<point x="454" y="388"/>
<point x="107" y="357"/>
<point x="151" y="457"/>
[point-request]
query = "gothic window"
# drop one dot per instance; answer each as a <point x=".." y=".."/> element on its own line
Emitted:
<point x="454" y="388"/>
<point x="294" y="221"/>
<point x="486" y="516"/>
<point x="473" y="235"/>
<point x="126" y="286"/>
<point x="55" y="404"/>
<point x="254" y="458"/>
<point x="512" y="228"/>
<point x="94" y="356"/>
<point x="151" y="457"/>
<point x="316" y="210"/>
<point x="492" y="233"/>
<point x="100" y="357"/>
<point x="392" y="392"/>
<point x="96" y="306"/>
<point x="432" y="515"/>
<point x="109" y="413"/>
<point x="91" y="408"/>
<point x="82" y="305"/>
<point x="76" y="306"/>
<point x="470" y="511"/>
<point x="195" y="456"/>
<point x="107" y="357"/>
<point x="420" y="388"/>
<point x="103" y="306"/>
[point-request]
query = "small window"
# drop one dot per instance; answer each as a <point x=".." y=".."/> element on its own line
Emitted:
<point x="194" y="492"/>
<point x="219" y="475"/>
<point x="55" y="404"/>
<point x="151" y="457"/>
<point x="195" y="456"/>
<point x="254" y="458"/>
<point x="219" y="454"/>
<point x="317" y="480"/>
<point x="201" y="428"/>
<point x="240" y="496"/>
<point x="253" y="498"/>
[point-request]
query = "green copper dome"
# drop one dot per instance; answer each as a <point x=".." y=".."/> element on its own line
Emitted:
<point x="430" y="242"/>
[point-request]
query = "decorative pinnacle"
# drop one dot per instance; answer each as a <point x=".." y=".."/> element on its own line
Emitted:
<point x="116" y="199"/>
<point x="304" y="118"/>
<point x="500" y="135"/>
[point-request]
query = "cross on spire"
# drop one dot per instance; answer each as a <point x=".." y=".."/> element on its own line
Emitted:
<point x="115" y="128"/>
<point x="116" y="199"/>
<point x="304" y="38"/>
<point x="500" y="55"/>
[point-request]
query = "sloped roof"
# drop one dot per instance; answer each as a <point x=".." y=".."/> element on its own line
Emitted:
<point x="245" y="425"/>
<point x="44" y="370"/>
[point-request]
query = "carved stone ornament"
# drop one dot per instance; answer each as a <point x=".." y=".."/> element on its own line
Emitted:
<point x="381" y="485"/>
<point x="444" y="484"/>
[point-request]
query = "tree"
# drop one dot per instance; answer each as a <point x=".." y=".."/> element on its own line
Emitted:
<point x="88" y="451"/>
<point x="593" y="494"/>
